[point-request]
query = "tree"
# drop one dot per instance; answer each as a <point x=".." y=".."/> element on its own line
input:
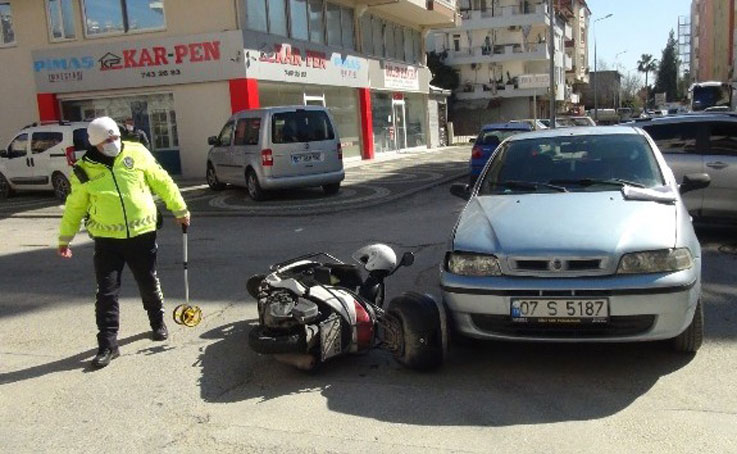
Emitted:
<point x="631" y="85"/>
<point x="443" y="75"/>
<point x="646" y="65"/>
<point x="667" y="78"/>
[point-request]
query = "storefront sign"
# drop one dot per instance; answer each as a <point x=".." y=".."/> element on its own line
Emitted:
<point x="527" y="81"/>
<point x="401" y="77"/>
<point x="177" y="60"/>
<point x="269" y="58"/>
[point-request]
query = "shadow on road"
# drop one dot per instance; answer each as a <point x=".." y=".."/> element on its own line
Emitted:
<point x="78" y="361"/>
<point x="487" y="384"/>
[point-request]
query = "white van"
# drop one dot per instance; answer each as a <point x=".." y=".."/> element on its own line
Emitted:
<point x="40" y="158"/>
<point x="277" y="148"/>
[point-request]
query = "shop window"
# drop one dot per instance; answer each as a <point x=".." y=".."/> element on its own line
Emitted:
<point x="298" y="19"/>
<point x="6" y="24"/>
<point x="317" y="29"/>
<point x="103" y="17"/>
<point x="173" y="128"/>
<point x="61" y="19"/>
<point x="378" y="36"/>
<point x="346" y="19"/>
<point x="416" y="108"/>
<point x="42" y="141"/>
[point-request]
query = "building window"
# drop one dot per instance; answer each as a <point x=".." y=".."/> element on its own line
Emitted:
<point x="317" y="30"/>
<point x="298" y="19"/>
<point x="256" y="15"/>
<point x="457" y="43"/>
<point x="61" y="19"/>
<point x="378" y="36"/>
<point x="417" y="42"/>
<point x="367" y="46"/>
<point x="333" y="20"/>
<point x="103" y="17"/>
<point x="346" y="19"/>
<point x="391" y="49"/>
<point x="6" y="24"/>
<point x="399" y="41"/>
<point x="409" y="47"/>
<point x="277" y="17"/>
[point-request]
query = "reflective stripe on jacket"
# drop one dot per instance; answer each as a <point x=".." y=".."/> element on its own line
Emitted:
<point x="118" y="199"/>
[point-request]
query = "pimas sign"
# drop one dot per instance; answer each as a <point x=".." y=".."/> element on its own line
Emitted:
<point x="124" y="64"/>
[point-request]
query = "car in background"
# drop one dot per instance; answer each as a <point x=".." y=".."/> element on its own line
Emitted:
<point x="489" y="138"/>
<point x="40" y="158"/>
<point x="535" y="124"/>
<point x="576" y="235"/>
<point x="575" y="121"/>
<point x="701" y="143"/>
<point x="546" y="122"/>
<point x="277" y="148"/>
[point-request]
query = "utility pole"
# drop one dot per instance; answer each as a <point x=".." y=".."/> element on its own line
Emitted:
<point x="551" y="46"/>
<point x="596" y="74"/>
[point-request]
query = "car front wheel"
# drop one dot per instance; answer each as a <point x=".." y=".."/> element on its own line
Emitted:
<point x="5" y="190"/>
<point x="691" y="339"/>
<point x="212" y="179"/>
<point x="61" y="185"/>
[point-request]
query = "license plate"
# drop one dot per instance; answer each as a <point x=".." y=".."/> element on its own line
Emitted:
<point x="306" y="157"/>
<point x="568" y="310"/>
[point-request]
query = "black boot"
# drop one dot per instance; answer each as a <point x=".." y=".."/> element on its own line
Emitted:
<point x="104" y="356"/>
<point x="160" y="332"/>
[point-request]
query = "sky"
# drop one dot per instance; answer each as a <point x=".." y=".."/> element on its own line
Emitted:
<point x="636" y="27"/>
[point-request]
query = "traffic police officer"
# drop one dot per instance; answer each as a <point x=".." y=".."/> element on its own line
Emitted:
<point x="112" y="189"/>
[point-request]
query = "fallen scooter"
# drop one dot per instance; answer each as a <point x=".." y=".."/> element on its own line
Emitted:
<point x="313" y="310"/>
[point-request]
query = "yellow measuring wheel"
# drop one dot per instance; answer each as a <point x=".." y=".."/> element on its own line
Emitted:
<point x="189" y="316"/>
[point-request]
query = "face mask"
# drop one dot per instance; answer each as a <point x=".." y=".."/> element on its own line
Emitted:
<point x="112" y="149"/>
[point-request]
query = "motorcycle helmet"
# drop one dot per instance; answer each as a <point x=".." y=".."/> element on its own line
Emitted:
<point x="376" y="257"/>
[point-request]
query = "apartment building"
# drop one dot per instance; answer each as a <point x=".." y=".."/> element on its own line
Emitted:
<point x="180" y="69"/>
<point x="502" y="55"/>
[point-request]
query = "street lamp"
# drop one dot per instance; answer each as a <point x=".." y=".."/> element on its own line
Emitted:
<point x="596" y="75"/>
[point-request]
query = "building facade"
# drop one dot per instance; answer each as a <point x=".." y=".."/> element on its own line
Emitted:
<point x="502" y="54"/>
<point x="179" y="72"/>
<point x="712" y="40"/>
<point x="608" y="90"/>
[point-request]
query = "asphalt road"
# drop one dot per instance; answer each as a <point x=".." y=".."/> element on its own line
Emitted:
<point x="204" y="391"/>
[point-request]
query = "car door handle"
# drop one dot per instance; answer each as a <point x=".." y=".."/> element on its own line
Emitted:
<point x="717" y="165"/>
<point x="28" y="162"/>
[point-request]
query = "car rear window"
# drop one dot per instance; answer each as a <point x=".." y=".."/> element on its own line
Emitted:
<point x="301" y="126"/>
<point x="81" y="141"/>
<point x="495" y="137"/>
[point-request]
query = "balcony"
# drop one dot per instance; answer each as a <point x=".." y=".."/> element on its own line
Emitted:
<point x="425" y="13"/>
<point x="505" y="16"/>
<point x="497" y="53"/>
<point x="485" y="91"/>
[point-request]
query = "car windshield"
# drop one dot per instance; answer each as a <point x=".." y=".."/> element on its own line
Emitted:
<point x="495" y="137"/>
<point x="572" y="163"/>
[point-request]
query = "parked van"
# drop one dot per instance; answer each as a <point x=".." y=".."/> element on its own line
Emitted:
<point x="40" y="158"/>
<point x="277" y="148"/>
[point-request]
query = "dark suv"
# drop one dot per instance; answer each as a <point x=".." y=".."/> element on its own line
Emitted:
<point x="701" y="143"/>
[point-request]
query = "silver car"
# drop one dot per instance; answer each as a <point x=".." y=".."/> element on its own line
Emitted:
<point x="277" y="148"/>
<point x="576" y="235"/>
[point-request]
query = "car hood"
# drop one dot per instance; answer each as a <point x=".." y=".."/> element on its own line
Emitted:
<point x="574" y="223"/>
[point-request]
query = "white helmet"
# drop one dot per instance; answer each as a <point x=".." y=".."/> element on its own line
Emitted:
<point x="376" y="257"/>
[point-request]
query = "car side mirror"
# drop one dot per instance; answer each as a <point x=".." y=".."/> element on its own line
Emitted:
<point x="407" y="259"/>
<point x="472" y="140"/>
<point x="3" y="153"/>
<point x="461" y="190"/>
<point x="213" y="140"/>
<point x="694" y="181"/>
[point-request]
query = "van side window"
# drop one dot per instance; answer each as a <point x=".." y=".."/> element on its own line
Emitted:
<point x="247" y="131"/>
<point x="18" y="147"/>
<point x="81" y="140"/>
<point x="301" y="126"/>
<point x="226" y="134"/>
<point x="723" y="139"/>
<point x="42" y="141"/>
<point x="674" y="138"/>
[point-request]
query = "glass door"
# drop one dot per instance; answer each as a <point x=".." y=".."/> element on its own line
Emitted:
<point x="399" y="126"/>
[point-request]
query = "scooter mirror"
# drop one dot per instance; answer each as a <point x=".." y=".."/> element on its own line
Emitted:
<point x="254" y="282"/>
<point x="408" y="259"/>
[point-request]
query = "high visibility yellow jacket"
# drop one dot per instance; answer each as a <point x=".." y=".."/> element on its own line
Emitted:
<point x="117" y="199"/>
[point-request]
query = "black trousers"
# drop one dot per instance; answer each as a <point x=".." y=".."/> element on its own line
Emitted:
<point x="139" y="253"/>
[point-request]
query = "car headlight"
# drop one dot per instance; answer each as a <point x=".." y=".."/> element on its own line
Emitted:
<point x="469" y="264"/>
<point x="662" y="261"/>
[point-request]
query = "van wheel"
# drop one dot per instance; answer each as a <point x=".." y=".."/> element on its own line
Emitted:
<point x="254" y="188"/>
<point x="61" y="185"/>
<point x="5" y="190"/>
<point x="212" y="179"/>
<point x="331" y="189"/>
<point x="690" y="340"/>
